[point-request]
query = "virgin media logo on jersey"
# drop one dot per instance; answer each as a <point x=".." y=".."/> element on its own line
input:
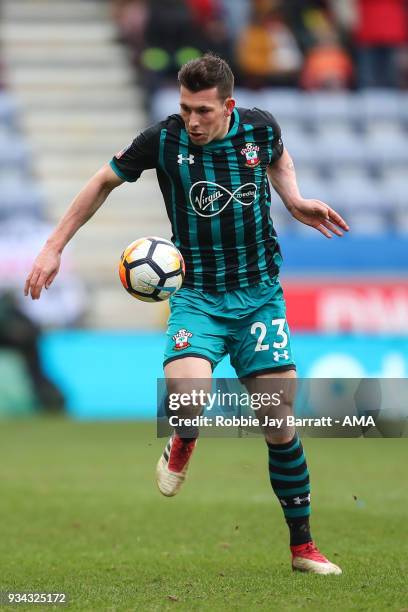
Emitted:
<point x="210" y="199"/>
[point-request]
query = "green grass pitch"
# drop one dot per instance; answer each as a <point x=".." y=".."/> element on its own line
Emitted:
<point x="80" y="513"/>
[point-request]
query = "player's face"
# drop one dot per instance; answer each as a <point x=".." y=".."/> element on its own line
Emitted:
<point x="205" y="115"/>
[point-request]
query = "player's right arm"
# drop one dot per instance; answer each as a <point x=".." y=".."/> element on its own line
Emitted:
<point x="82" y="208"/>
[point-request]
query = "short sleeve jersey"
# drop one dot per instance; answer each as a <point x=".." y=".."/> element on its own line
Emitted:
<point x="217" y="196"/>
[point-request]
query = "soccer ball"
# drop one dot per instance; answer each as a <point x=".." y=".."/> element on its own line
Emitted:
<point x="151" y="269"/>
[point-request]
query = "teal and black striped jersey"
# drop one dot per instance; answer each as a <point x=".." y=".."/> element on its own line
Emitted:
<point x="217" y="196"/>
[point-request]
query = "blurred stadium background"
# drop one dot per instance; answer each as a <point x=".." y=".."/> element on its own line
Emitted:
<point x="79" y="79"/>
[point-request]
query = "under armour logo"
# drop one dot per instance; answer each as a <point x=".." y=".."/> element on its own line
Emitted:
<point x="181" y="159"/>
<point x="298" y="500"/>
<point x="283" y="355"/>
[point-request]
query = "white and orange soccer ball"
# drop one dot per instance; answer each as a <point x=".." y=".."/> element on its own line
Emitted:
<point x="151" y="269"/>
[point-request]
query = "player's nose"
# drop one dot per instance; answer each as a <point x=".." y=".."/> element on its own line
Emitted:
<point x="194" y="120"/>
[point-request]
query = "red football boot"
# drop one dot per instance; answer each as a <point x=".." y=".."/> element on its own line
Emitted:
<point x="308" y="558"/>
<point x="172" y="466"/>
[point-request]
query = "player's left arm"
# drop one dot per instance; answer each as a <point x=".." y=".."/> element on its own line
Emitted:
<point x="312" y="212"/>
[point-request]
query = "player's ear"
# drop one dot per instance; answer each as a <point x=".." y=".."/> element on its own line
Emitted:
<point x="229" y="106"/>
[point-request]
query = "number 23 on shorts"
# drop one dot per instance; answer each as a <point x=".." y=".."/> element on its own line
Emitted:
<point x="259" y="330"/>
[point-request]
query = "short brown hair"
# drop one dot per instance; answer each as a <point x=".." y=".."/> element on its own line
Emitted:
<point x="206" y="72"/>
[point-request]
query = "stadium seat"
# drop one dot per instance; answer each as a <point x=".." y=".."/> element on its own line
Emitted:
<point x="17" y="197"/>
<point x="387" y="149"/>
<point x="8" y="108"/>
<point x="7" y="131"/>
<point x="394" y="172"/>
<point x="295" y="136"/>
<point x="395" y="185"/>
<point x="282" y="103"/>
<point x="359" y="193"/>
<point x="307" y="172"/>
<point x="378" y="103"/>
<point x="9" y="171"/>
<point x="163" y="103"/>
<point x="374" y="224"/>
<point x="322" y="106"/>
<point x="352" y="172"/>
<point x="340" y="147"/>
<point x="383" y="127"/>
<point x="289" y="124"/>
<point x="403" y="106"/>
<point x="334" y="125"/>
<point x="315" y="187"/>
<point x="245" y="98"/>
<point x="13" y="151"/>
<point x="401" y="222"/>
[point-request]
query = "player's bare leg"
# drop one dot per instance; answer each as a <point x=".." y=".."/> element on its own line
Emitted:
<point x="289" y="474"/>
<point x="181" y="376"/>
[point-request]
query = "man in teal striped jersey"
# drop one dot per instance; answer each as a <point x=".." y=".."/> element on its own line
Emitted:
<point x="212" y="162"/>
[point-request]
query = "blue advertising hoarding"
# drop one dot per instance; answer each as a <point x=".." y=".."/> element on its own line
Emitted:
<point x="113" y="375"/>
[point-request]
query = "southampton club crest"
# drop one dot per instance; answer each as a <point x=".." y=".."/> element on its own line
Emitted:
<point x="181" y="339"/>
<point x="251" y="154"/>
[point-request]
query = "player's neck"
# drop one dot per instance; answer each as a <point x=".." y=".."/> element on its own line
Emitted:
<point x="225" y="129"/>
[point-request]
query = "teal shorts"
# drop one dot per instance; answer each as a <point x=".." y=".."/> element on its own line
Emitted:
<point x="248" y="324"/>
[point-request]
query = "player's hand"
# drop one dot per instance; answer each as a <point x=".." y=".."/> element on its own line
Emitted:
<point x="43" y="272"/>
<point x="319" y="215"/>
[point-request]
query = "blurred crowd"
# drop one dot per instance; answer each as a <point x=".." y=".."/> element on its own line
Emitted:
<point x="312" y="44"/>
